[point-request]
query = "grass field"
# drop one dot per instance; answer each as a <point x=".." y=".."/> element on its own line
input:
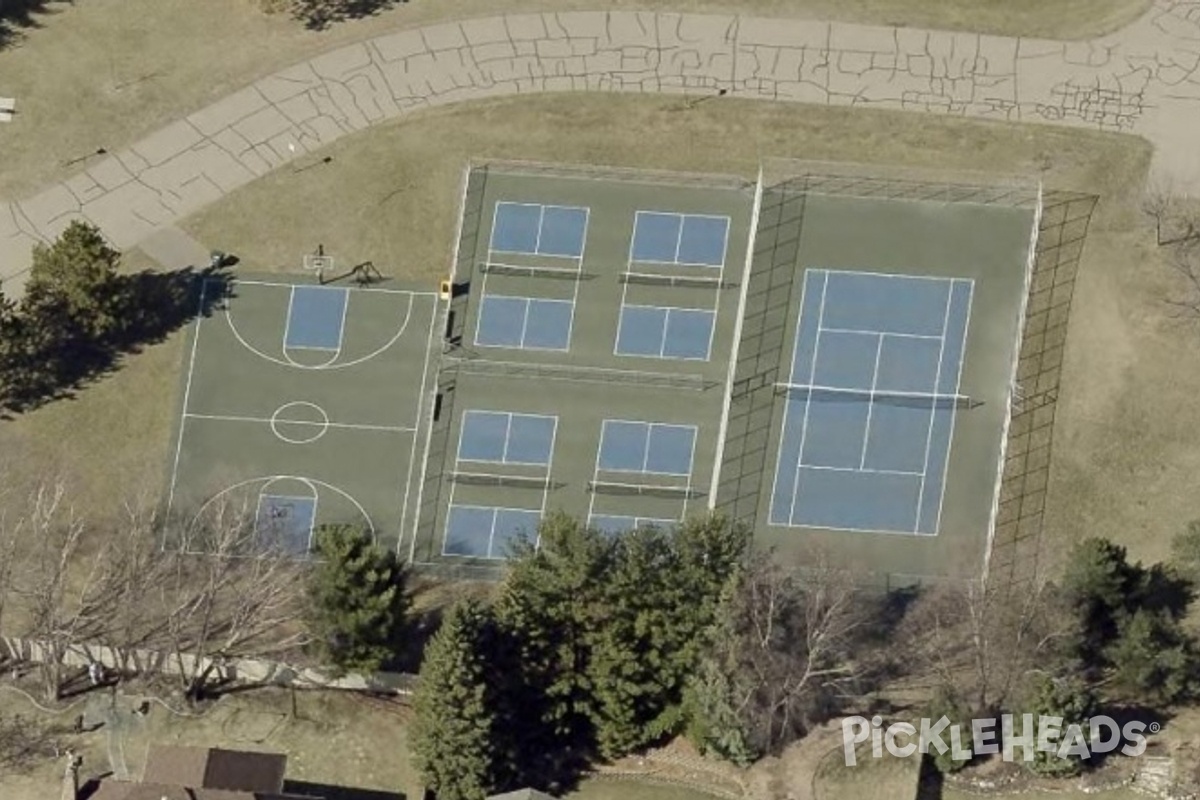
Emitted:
<point x="1125" y="442"/>
<point x="870" y="779"/>
<point x="1134" y="366"/>
<point x="262" y="721"/>
<point x="127" y="67"/>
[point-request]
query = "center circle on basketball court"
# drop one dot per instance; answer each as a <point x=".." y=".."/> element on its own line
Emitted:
<point x="299" y="422"/>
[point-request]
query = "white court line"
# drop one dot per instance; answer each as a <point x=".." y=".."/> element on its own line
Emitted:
<point x="937" y="523"/>
<point x="187" y="392"/>
<point x="880" y="531"/>
<point x="596" y="470"/>
<point x="901" y="275"/>
<point x="263" y="495"/>
<point x="537" y="534"/>
<point x="346" y="313"/>
<point x="649" y="426"/>
<point x="287" y="323"/>
<point x="787" y="417"/>
<point x="287" y="362"/>
<point x="537" y="241"/>
<point x="937" y="379"/>
<point x="812" y="374"/>
<point x="586" y="215"/>
<point x="412" y="452"/>
<point x="885" y="333"/>
<point x="240" y="281"/>
<point x="824" y="468"/>
<point x="312" y="521"/>
<point x="351" y="426"/>
<point x="575" y="289"/>
<point x="679" y="238"/>
<point x="862" y="462"/>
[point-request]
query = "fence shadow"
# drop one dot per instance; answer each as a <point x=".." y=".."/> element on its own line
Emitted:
<point x="1066" y="217"/>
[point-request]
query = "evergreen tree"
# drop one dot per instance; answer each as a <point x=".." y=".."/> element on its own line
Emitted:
<point x="663" y="592"/>
<point x="455" y="727"/>
<point x="551" y="601"/>
<point x="358" y="599"/>
<point x="1185" y="551"/>
<point x="1072" y="701"/>
<point x="72" y="284"/>
<point x="1152" y="657"/>
<point x="947" y="703"/>
<point x="1099" y="583"/>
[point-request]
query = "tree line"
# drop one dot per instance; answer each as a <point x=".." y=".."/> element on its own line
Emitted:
<point x="598" y="646"/>
<point x="198" y="592"/>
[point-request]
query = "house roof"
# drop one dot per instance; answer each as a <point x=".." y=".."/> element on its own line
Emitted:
<point x="125" y="790"/>
<point x="522" y="794"/>
<point x="212" y="768"/>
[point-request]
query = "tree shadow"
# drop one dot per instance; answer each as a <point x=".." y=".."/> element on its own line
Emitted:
<point x="320" y="14"/>
<point x="1164" y="589"/>
<point x="328" y="792"/>
<point x="17" y="16"/>
<point x="146" y="306"/>
<point x="410" y="648"/>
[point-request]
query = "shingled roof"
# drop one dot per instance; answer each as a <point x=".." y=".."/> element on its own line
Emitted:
<point x="199" y="773"/>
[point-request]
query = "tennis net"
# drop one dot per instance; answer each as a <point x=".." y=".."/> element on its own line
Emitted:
<point x="833" y="394"/>
<point x="643" y="490"/>
<point x="528" y="271"/>
<point x="506" y="481"/>
<point x="579" y="374"/>
<point x="681" y="281"/>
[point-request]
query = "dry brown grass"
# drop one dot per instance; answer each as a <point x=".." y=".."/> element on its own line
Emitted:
<point x="886" y="778"/>
<point x="1125" y="445"/>
<point x="106" y="72"/>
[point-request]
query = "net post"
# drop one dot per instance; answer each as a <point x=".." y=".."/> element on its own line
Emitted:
<point x="743" y="295"/>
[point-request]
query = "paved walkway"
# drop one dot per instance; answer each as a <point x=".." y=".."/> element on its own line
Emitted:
<point x="1144" y="79"/>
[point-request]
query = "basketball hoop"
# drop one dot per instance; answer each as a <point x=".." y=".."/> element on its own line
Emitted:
<point x="318" y="263"/>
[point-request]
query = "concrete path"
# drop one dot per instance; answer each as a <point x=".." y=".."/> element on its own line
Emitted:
<point x="1144" y="79"/>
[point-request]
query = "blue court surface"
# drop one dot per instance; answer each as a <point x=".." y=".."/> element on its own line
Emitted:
<point x="316" y="317"/>
<point x="664" y="332"/>
<point x="615" y="523"/>
<point x="500" y="437"/>
<point x="871" y="402"/>
<point x="687" y="239"/>
<point x="487" y="531"/>
<point x="286" y="522"/>
<point x="527" y="323"/>
<point x="539" y="230"/>
<point x="646" y="447"/>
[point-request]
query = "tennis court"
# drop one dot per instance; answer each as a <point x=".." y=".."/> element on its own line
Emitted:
<point x="583" y="309"/>
<point x="870" y="401"/>
<point x="301" y="406"/>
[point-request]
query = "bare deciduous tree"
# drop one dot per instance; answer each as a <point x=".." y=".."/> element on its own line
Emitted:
<point x="65" y="595"/>
<point x="24" y="742"/>
<point x="983" y="639"/>
<point x="233" y="598"/>
<point x="787" y="645"/>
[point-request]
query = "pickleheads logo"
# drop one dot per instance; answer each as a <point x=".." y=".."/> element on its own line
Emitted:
<point x="991" y="736"/>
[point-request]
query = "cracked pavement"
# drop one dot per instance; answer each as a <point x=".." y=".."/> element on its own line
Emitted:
<point x="1144" y="79"/>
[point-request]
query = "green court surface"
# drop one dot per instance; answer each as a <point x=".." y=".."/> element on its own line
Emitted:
<point x="830" y="361"/>
<point x="303" y="403"/>
<point x="983" y="249"/>
<point x="619" y="331"/>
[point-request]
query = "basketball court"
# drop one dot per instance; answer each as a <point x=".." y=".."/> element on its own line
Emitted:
<point x="301" y="406"/>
